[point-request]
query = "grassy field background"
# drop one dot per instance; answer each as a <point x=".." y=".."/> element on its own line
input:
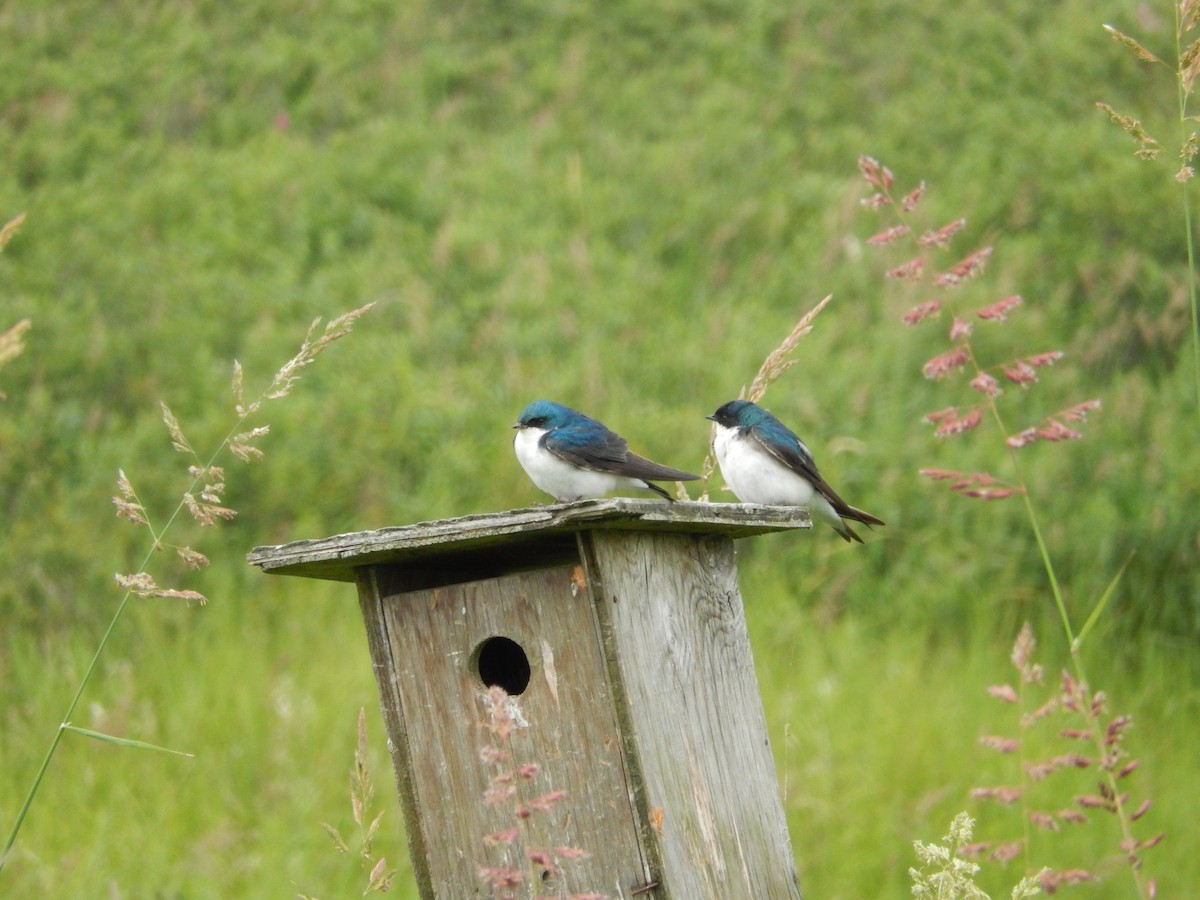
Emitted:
<point x="623" y="206"/>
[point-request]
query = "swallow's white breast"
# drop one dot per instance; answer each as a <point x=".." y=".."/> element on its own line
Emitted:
<point x="756" y="476"/>
<point x="560" y="479"/>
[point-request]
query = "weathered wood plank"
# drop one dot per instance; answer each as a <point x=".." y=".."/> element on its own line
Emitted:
<point x="423" y="646"/>
<point x="493" y="544"/>
<point x="376" y="617"/>
<point x="696" y="738"/>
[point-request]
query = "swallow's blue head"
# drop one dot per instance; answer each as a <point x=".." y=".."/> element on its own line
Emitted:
<point x="546" y="414"/>
<point x="744" y="415"/>
<point x="740" y="414"/>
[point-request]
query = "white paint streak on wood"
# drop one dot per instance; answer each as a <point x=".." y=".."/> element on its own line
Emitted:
<point x="548" y="670"/>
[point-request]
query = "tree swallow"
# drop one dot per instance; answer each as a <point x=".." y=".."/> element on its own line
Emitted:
<point x="571" y="456"/>
<point x="763" y="462"/>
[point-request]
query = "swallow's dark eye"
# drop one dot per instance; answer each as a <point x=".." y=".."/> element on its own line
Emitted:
<point x="537" y="422"/>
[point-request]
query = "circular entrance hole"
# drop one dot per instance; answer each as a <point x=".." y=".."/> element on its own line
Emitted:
<point x="502" y="663"/>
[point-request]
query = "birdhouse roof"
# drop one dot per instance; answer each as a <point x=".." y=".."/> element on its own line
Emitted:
<point x="492" y="543"/>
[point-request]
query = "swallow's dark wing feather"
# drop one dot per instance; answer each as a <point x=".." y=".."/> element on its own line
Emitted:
<point x="640" y="467"/>
<point x="592" y="446"/>
<point x="793" y="454"/>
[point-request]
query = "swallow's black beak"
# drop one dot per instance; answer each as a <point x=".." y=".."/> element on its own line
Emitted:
<point x="711" y="418"/>
<point x="518" y="425"/>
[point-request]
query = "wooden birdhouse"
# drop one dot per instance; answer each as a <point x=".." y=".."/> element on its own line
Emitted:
<point x="616" y="628"/>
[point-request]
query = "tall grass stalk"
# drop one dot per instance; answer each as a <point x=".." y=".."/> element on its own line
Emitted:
<point x="203" y="500"/>
<point x="1184" y="70"/>
<point x="1185" y="75"/>
<point x="1018" y="372"/>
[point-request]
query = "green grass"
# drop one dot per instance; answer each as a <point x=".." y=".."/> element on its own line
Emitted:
<point x="623" y="206"/>
<point x="874" y="733"/>
<point x="213" y="825"/>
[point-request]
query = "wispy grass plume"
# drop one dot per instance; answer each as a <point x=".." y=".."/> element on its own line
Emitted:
<point x="12" y="344"/>
<point x="362" y="799"/>
<point x="9" y="229"/>
<point x="203" y="498"/>
<point x="12" y="340"/>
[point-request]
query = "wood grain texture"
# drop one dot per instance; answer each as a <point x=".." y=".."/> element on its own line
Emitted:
<point x="695" y="735"/>
<point x="493" y="544"/>
<point x="423" y="645"/>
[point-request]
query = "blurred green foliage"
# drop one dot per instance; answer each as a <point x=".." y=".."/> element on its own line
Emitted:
<point x="623" y="206"/>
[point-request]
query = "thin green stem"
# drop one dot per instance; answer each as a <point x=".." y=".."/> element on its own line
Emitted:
<point x="1030" y="511"/>
<point x="1182" y="94"/>
<point x="1047" y="562"/>
<point x="58" y="733"/>
<point x="1191" y="254"/>
<point x="1119" y="803"/>
<point x="1022" y="771"/>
